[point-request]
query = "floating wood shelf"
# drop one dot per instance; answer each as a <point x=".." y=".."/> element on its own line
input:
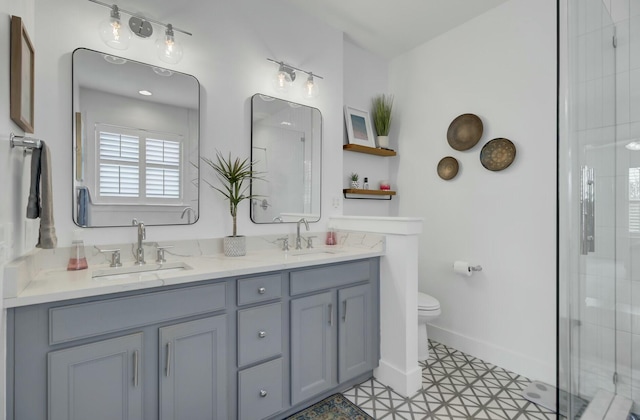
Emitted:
<point x="372" y="193"/>
<point x="368" y="150"/>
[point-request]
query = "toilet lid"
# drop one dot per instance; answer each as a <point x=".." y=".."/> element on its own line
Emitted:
<point x="427" y="302"/>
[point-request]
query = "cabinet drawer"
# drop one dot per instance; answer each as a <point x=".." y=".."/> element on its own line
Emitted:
<point x="259" y="289"/>
<point x="260" y="390"/>
<point x="67" y="323"/>
<point x="310" y="280"/>
<point x="259" y="333"/>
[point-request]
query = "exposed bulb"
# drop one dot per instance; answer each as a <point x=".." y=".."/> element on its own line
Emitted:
<point x="310" y="88"/>
<point x="283" y="78"/>
<point x="169" y="50"/>
<point x="113" y="33"/>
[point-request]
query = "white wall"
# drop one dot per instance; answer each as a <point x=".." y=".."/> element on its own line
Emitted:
<point x="14" y="174"/>
<point x="365" y="76"/>
<point x="502" y="67"/>
<point x="228" y="56"/>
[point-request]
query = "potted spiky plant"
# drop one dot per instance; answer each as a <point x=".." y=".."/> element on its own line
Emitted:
<point x="382" y="106"/>
<point x="232" y="174"/>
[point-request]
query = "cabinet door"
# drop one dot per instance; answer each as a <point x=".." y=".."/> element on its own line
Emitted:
<point x="355" y="342"/>
<point x="313" y="349"/>
<point x="193" y="370"/>
<point x="98" y="381"/>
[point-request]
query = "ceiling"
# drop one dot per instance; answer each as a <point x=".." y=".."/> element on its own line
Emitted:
<point x="389" y="28"/>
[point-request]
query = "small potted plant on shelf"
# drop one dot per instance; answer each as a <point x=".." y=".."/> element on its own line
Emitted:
<point x="381" y="112"/>
<point x="232" y="174"/>
<point x="354" y="180"/>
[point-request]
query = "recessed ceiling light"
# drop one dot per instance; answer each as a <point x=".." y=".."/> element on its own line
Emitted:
<point x="287" y="123"/>
<point x="634" y="146"/>
<point x="145" y="93"/>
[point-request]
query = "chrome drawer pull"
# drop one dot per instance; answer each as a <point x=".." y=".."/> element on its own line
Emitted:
<point x="263" y="393"/>
<point x="168" y="365"/>
<point x="262" y="334"/>
<point x="262" y="290"/>
<point x="135" y="368"/>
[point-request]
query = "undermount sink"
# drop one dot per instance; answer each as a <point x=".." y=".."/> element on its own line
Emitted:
<point x="316" y="251"/>
<point x="122" y="272"/>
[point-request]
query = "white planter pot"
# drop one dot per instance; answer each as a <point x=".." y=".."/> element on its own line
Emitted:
<point x="383" y="141"/>
<point x="234" y="246"/>
<point x="355" y="185"/>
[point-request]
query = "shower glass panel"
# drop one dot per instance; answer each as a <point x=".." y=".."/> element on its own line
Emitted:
<point x="599" y="189"/>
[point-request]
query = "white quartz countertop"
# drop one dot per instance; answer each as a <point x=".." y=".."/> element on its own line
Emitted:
<point x="56" y="284"/>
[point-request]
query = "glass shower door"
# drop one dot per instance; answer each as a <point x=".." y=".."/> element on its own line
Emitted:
<point x="599" y="184"/>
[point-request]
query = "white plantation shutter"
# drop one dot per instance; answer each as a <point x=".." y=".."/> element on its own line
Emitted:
<point x="163" y="168"/>
<point x="119" y="173"/>
<point x="634" y="200"/>
<point x="137" y="164"/>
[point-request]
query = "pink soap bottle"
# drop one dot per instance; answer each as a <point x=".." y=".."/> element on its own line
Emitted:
<point x="77" y="259"/>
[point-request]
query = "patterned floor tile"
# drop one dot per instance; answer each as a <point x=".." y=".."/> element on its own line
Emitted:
<point x="454" y="386"/>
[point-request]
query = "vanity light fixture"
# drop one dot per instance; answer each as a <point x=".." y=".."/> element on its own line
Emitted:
<point x="286" y="75"/>
<point x="116" y="35"/>
<point x="113" y="33"/>
<point x="169" y="50"/>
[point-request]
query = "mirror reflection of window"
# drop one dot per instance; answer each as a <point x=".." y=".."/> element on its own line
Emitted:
<point x="136" y="145"/>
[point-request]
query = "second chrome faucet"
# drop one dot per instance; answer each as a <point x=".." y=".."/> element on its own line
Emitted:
<point x="142" y="235"/>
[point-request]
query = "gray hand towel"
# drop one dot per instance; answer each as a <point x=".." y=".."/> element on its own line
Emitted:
<point x="33" y="205"/>
<point x="41" y="197"/>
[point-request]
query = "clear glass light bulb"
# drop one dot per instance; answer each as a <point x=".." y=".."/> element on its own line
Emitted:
<point x="113" y="33"/>
<point x="283" y="80"/>
<point x="169" y="50"/>
<point x="310" y="88"/>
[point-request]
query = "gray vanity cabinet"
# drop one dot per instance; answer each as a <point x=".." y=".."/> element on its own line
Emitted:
<point x="98" y="381"/>
<point x="313" y="349"/>
<point x="261" y="346"/>
<point x="333" y="332"/>
<point x="193" y="366"/>
<point x="355" y="340"/>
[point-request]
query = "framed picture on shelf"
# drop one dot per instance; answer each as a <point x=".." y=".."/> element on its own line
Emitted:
<point x="359" y="130"/>
<point x="22" y="75"/>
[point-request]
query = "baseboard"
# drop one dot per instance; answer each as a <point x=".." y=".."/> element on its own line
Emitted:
<point x="404" y="383"/>
<point x="518" y="363"/>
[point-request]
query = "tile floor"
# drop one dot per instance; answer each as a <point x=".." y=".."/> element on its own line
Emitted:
<point x="454" y="386"/>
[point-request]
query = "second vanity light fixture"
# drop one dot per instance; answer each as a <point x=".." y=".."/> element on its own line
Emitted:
<point x="116" y="35"/>
<point x="286" y="75"/>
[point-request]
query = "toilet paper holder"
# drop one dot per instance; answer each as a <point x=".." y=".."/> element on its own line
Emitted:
<point x="475" y="268"/>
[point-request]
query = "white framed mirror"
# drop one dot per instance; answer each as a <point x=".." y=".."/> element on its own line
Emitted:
<point x="286" y="150"/>
<point x="135" y="142"/>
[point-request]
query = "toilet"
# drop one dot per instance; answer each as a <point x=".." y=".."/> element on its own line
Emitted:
<point x="428" y="310"/>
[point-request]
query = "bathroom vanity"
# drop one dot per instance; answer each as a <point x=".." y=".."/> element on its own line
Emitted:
<point x="264" y="344"/>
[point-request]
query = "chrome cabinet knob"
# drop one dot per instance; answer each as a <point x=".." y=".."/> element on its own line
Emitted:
<point x="262" y="334"/>
<point x="263" y="393"/>
<point x="262" y="290"/>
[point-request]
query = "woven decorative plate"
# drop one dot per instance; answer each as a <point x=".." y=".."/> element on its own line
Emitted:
<point x="448" y="168"/>
<point x="464" y="132"/>
<point x="497" y="154"/>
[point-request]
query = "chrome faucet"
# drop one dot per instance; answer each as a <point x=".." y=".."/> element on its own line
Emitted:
<point x="142" y="234"/>
<point x="298" y="237"/>
<point x="188" y="211"/>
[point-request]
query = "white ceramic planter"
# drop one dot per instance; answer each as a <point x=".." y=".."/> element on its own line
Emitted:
<point x="383" y="141"/>
<point x="234" y="246"/>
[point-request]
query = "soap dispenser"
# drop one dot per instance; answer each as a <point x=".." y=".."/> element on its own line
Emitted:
<point x="77" y="259"/>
